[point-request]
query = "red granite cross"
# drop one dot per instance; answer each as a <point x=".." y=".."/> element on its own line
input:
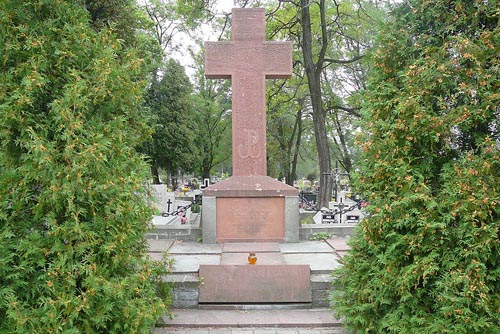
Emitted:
<point x="248" y="60"/>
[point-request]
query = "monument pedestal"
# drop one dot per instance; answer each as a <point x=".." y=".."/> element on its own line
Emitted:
<point x="250" y="209"/>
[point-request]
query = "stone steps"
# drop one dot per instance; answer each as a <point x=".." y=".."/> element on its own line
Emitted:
<point x="288" y="318"/>
<point x="321" y="256"/>
<point x="254" y="307"/>
<point x="186" y="294"/>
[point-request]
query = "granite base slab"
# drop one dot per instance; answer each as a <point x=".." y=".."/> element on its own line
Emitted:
<point x="255" y="284"/>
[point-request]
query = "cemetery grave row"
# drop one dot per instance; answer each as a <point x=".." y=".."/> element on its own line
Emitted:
<point x="173" y="208"/>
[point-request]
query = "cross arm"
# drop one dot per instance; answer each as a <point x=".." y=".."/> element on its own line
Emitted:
<point x="219" y="58"/>
<point x="278" y="60"/>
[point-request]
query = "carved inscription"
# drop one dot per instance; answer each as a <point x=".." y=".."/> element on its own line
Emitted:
<point x="250" y="147"/>
<point x="250" y="218"/>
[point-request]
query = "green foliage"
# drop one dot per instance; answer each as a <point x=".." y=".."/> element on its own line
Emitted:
<point x="427" y="258"/>
<point x="120" y="15"/>
<point x="321" y="236"/>
<point x="73" y="207"/>
<point x="167" y="18"/>
<point x="211" y="104"/>
<point x="284" y="126"/>
<point x="171" y="105"/>
<point x="307" y="220"/>
<point x="196" y="208"/>
<point x="129" y="23"/>
<point x="331" y="38"/>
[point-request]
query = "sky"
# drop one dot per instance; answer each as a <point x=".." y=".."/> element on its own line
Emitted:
<point x="221" y="7"/>
<point x="224" y="5"/>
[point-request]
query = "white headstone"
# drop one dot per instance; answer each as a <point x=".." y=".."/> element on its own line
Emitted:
<point x="350" y="217"/>
<point x="318" y="217"/>
<point x="164" y="200"/>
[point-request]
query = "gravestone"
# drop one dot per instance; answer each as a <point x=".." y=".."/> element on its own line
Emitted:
<point x="249" y="206"/>
<point x="164" y="200"/>
<point x="277" y="283"/>
<point x="169" y="205"/>
<point x="350" y="212"/>
<point x="345" y="211"/>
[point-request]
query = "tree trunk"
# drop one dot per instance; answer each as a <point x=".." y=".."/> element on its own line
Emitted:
<point x="298" y="122"/>
<point x="313" y="72"/>
<point x="154" y="172"/>
<point x="205" y="173"/>
<point x="344" y="151"/>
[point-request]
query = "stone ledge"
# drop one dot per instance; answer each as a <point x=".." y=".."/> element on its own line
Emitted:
<point x="308" y="230"/>
<point x="250" y="186"/>
<point x="183" y="279"/>
<point x="186" y="233"/>
<point x="304" y="318"/>
<point x="193" y="232"/>
<point x="321" y="281"/>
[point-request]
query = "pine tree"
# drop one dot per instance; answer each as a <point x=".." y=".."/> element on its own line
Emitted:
<point x="73" y="206"/>
<point x="427" y="259"/>
<point x="169" y="99"/>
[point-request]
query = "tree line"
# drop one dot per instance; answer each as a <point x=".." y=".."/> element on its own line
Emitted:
<point x="312" y="117"/>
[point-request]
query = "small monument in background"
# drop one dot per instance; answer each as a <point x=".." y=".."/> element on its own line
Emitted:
<point x="249" y="206"/>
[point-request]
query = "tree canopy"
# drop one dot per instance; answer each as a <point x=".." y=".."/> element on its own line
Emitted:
<point x="171" y="106"/>
<point x="330" y="40"/>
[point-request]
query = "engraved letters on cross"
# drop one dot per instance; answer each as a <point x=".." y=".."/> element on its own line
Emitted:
<point x="248" y="60"/>
<point x="249" y="148"/>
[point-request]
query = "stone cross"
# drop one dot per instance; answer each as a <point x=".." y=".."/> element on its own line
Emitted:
<point x="248" y="60"/>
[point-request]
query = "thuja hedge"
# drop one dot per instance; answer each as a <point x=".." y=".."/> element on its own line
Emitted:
<point x="73" y="208"/>
<point x="427" y="259"/>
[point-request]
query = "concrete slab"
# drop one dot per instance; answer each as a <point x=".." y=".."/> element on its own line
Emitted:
<point x="262" y="258"/>
<point x="255" y="284"/>
<point x="188" y="256"/>
<point x="194" y="248"/>
<point x="340" y="244"/>
<point x="306" y="247"/>
<point x="292" y="219"/>
<point x="160" y="245"/>
<point x="251" y="330"/>
<point x="209" y="219"/>
<point x="245" y="247"/>
<point x="169" y="220"/>
<point x="319" y="263"/>
<point x="191" y="263"/>
<point x="157" y="256"/>
<point x="305" y="318"/>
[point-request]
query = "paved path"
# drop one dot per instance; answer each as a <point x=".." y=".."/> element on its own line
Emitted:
<point x="321" y="256"/>
<point x="263" y="330"/>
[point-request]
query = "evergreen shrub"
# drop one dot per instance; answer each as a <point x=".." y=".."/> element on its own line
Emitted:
<point x="427" y="259"/>
<point x="73" y="207"/>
